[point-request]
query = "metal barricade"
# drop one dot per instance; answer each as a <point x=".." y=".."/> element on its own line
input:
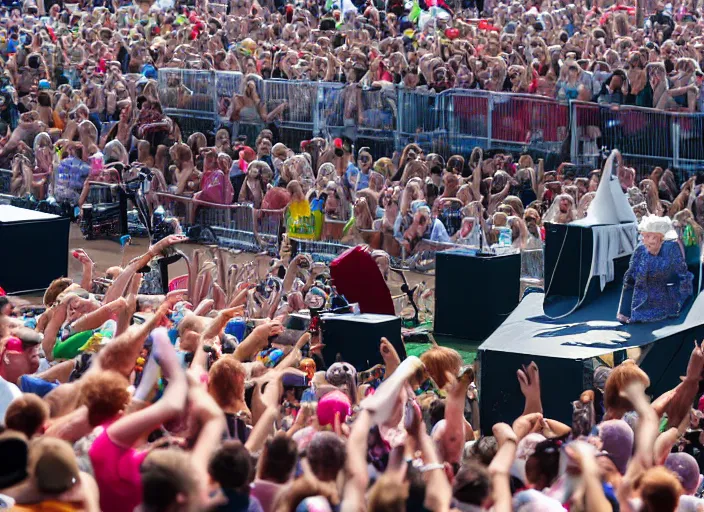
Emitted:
<point x="180" y="207"/>
<point x="637" y="133"/>
<point x="532" y="269"/>
<point x="454" y="121"/>
<point x="687" y="132"/>
<point x="188" y="97"/>
<point x="320" y="251"/>
<point x="646" y="137"/>
<point x="329" y="116"/>
<point x="231" y="225"/>
<point x="585" y="133"/>
<point x="191" y="90"/>
<point x="521" y="121"/>
<point x="464" y="117"/>
<point x="227" y="85"/>
<point x="418" y="120"/>
<point x="296" y="121"/>
<point x="422" y="257"/>
<point x="377" y="113"/>
<point x="269" y="226"/>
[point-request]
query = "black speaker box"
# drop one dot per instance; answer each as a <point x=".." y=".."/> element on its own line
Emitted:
<point x="474" y="294"/>
<point x="356" y="338"/>
<point x="34" y="249"/>
<point x="568" y="261"/>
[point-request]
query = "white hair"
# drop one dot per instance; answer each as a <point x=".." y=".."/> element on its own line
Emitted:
<point x="655" y="224"/>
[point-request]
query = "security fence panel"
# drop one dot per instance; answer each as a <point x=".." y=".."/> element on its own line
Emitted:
<point x="227" y="85"/>
<point x="296" y="122"/>
<point x="522" y="122"/>
<point x="418" y="121"/>
<point x="232" y="226"/>
<point x="377" y="109"/>
<point x="190" y="90"/>
<point x="188" y="97"/>
<point x="464" y="116"/>
<point x="330" y="110"/>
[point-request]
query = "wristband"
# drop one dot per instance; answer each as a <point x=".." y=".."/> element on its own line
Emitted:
<point x="431" y="467"/>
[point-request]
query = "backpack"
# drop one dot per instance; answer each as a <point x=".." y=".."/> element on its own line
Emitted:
<point x="215" y="188"/>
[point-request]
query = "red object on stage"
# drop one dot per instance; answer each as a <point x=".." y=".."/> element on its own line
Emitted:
<point x="357" y="277"/>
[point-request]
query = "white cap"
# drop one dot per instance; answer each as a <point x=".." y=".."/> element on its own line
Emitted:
<point x="655" y="224"/>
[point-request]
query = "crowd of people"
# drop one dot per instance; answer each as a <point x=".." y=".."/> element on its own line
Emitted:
<point x="119" y="398"/>
<point x="205" y="400"/>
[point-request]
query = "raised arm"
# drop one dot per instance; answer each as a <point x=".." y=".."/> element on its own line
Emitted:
<point x="454" y="437"/>
<point x="356" y="465"/>
<point x="96" y="318"/>
<point x="529" y="380"/>
<point x="646" y="435"/>
<point x="594" y="497"/>
<point x="438" y="490"/>
<point x="501" y="465"/>
<point x="208" y="414"/>
<point x="127" y="430"/>
<point x="263" y="427"/>
<point x="211" y="334"/>
<point x="257" y="340"/>
<point x="52" y="329"/>
<point x="119" y="285"/>
<point x="87" y="264"/>
<point x="122" y="352"/>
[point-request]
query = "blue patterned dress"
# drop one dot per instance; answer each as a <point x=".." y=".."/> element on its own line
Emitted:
<point x="655" y="287"/>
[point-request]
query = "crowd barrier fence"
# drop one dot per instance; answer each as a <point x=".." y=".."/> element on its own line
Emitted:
<point x="643" y="135"/>
<point x="387" y="118"/>
<point x="450" y="122"/>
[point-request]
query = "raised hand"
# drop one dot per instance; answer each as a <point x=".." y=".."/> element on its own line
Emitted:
<point x="696" y="363"/>
<point x="529" y="380"/>
<point x="82" y="256"/>
<point x="162" y="244"/>
<point x="389" y="355"/>
<point x="503" y="434"/>
<point x="528" y="424"/>
<point x="268" y="329"/>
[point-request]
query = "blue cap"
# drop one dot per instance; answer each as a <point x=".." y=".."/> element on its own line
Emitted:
<point x="30" y="384"/>
<point x="44" y="84"/>
<point x="149" y="71"/>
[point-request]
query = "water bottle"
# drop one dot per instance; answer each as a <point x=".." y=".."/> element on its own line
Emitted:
<point x="236" y="327"/>
<point x="96" y="163"/>
<point x="505" y="238"/>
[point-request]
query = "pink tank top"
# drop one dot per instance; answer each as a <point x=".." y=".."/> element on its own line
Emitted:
<point x="116" y="470"/>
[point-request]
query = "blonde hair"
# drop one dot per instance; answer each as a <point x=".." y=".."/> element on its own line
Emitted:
<point x="388" y="494"/>
<point x="440" y="360"/>
<point x="619" y="379"/>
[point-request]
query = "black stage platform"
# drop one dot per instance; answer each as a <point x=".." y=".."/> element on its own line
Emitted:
<point x="34" y="249"/>
<point x="567" y="329"/>
<point x="566" y="350"/>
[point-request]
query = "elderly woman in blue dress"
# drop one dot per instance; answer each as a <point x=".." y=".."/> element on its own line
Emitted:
<point x="657" y="282"/>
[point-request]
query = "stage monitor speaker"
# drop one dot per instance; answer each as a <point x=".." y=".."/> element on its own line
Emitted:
<point x="474" y="294"/>
<point x="34" y="249"/>
<point x="568" y="261"/>
<point x="356" y="338"/>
